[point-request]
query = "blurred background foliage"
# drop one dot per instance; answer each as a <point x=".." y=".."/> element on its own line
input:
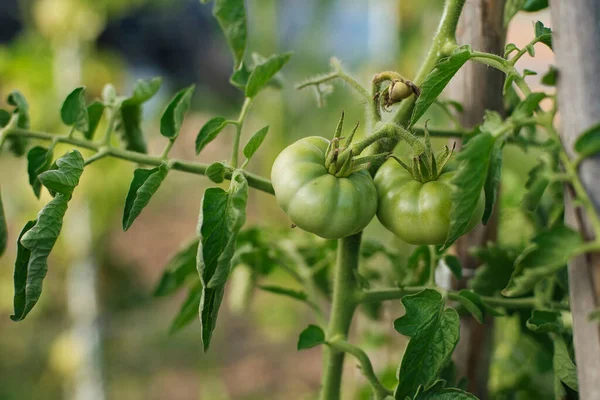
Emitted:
<point x="98" y="333"/>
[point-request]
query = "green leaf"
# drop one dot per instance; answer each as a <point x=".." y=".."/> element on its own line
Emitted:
<point x="262" y="73"/>
<point x="444" y="394"/>
<point x="530" y="104"/>
<point x="231" y="15"/>
<point x="543" y="34"/>
<point x="494" y="273"/>
<point x="511" y="8"/>
<point x="535" y="5"/>
<point x="549" y="78"/>
<point x="563" y="366"/>
<point x="433" y="332"/>
<point x="536" y="185"/>
<point x="222" y="215"/>
<point x="509" y="48"/>
<point x="465" y="298"/>
<point x="38" y="238"/>
<point x="310" y="337"/>
<point x="17" y="100"/>
<point x="74" y="112"/>
<point x="437" y="80"/>
<point x="240" y="76"/>
<point x="39" y="159"/>
<point x="64" y="179"/>
<point x="209" y="131"/>
<point x="3" y="229"/>
<point x="143" y="186"/>
<point x="492" y="181"/>
<point x="480" y="303"/>
<point x="131" y="114"/>
<point x="255" y="142"/>
<point x="291" y="293"/>
<point x="549" y="252"/>
<point x="528" y="72"/>
<point x="94" y="111"/>
<point x="544" y="322"/>
<point x="179" y="268"/>
<point x="216" y="172"/>
<point x="188" y="311"/>
<point x="475" y="156"/>
<point x="172" y="118"/>
<point x="454" y="265"/>
<point x="588" y="143"/>
<point x="4" y="118"/>
<point x="530" y="50"/>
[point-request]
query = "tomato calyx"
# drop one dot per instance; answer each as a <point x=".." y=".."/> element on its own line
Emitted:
<point x="427" y="166"/>
<point x="398" y="89"/>
<point x="342" y="159"/>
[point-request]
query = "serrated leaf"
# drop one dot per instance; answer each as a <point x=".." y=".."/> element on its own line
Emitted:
<point x="231" y="15"/>
<point x="549" y="252"/>
<point x="131" y="114"/>
<point x="437" y="80"/>
<point x="535" y="5"/>
<point x="172" y="118"/>
<point x="444" y="394"/>
<point x="3" y="229"/>
<point x="188" y="311"/>
<point x="74" y="112"/>
<point x="433" y="332"/>
<point x="17" y="100"/>
<point x="563" y="366"/>
<point x="255" y="142"/>
<point x="454" y="265"/>
<point x="39" y="159"/>
<point x="37" y="240"/>
<point x="494" y="273"/>
<point x="509" y="48"/>
<point x="544" y="322"/>
<point x="66" y="177"/>
<point x="492" y="181"/>
<point x="588" y="143"/>
<point x="180" y="267"/>
<point x="143" y="186"/>
<point x="536" y="186"/>
<point x="216" y="172"/>
<point x="530" y="104"/>
<point x="222" y="215"/>
<point x="310" y="337"/>
<point x="94" y="111"/>
<point x="549" y="78"/>
<point x="262" y="73"/>
<point x="511" y="8"/>
<point x="209" y="131"/>
<point x="475" y="156"/>
<point x="543" y="34"/>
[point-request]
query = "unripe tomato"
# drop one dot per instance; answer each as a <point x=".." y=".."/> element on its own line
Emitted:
<point x="417" y="212"/>
<point x="315" y="200"/>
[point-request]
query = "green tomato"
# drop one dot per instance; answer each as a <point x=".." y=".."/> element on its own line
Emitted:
<point x="315" y="200"/>
<point x="417" y="212"/>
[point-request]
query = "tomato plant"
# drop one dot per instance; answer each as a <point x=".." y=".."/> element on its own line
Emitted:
<point x="333" y="189"/>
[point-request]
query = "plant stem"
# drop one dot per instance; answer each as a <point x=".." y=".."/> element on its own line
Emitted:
<point x="254" y="181"/>
<point x="432" y="265"/>
<point x="239" y="124"/>
<point x="444" y="39"/>
<point x="378" y="295"/>
<point x="366" y="367"/>
<point x="165" y="154"/>
<point x="110" y="127"/>
<point x="342" y="310"/>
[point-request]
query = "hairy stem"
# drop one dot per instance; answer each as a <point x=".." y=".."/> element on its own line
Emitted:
<point x="366" y="367"/>
<point x="239" y="124"/>
<point x="342" y="310"/>
<point x="254" y="181"/>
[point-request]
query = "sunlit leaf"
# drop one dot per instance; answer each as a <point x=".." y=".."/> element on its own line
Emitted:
<point x="209" y="131"/>
<point x="74" y="111"/>
<point x="262" y="73"/>
<point x="94" y="111"/>
<point x="172" y="118"/>
<point x="255" y="142"/>
<point x="231" y="15"/>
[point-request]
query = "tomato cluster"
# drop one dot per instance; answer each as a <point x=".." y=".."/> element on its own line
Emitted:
<point x="413" y="204"/>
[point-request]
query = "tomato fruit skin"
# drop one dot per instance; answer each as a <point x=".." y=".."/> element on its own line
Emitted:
<point x="315" y="200"/>
<point x="417" y="212"/>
